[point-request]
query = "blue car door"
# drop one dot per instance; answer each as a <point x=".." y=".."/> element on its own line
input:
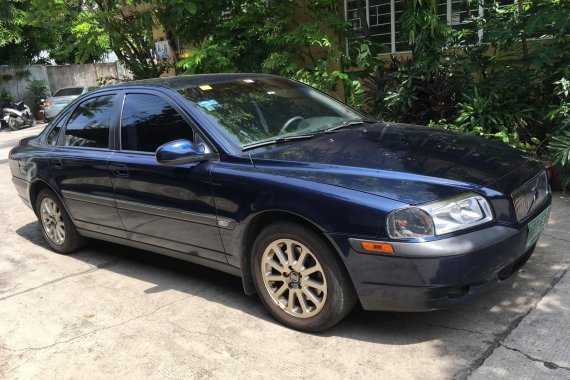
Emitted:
<point x="78" y="164"/>
<point x="166" y="206"/>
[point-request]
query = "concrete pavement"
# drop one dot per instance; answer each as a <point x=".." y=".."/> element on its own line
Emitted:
<point x="115" y="312"/>
<point x="539" y="347"/>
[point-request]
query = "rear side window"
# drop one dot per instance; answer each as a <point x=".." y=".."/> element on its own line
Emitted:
<point x="149" y="121"/>
<point x="89" y="124"/>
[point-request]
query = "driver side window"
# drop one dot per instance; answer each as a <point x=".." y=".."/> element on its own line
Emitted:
<point x="148" y="121"/>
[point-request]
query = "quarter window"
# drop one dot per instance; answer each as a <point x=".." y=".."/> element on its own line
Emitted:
<point x="149" y="121"/>
<point x="51" y="138"/>
<point x="89" y="124"/>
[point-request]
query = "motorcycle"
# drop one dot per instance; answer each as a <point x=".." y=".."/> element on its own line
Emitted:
<point x="16" y="116"/>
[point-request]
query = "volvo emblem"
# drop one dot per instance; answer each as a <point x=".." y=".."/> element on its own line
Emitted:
<point x="294" y="277"/>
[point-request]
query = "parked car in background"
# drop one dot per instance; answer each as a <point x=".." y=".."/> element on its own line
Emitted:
<point x="311" y="203"/>
<point x="53" y="105"/>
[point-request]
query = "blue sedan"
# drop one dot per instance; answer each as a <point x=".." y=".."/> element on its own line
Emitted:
<point x="315" y="206"/>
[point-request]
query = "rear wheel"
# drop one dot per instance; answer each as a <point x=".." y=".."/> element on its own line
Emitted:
<point x="57" y="227"/>
<point x="299" y="279"/>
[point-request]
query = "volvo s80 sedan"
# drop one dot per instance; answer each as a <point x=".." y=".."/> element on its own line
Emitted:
<point x="315" y="206"/>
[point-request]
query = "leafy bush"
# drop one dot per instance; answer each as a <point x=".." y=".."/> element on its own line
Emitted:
<point x="39" y="90"/>
<point x="502" y="88"/>
<point x="6" y="96"/>
<point x="560" y="140"/>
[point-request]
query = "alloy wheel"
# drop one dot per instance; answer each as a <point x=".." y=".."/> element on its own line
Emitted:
<point x="52" y="221"/>
<point x="294" y="278"/>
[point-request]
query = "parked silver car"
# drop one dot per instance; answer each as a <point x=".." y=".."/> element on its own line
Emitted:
<point x="61" y="98"/>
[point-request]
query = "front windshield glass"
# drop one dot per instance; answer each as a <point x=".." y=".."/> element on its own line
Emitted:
<point x="253" y="110"/>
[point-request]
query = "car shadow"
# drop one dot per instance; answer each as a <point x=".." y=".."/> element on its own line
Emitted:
<point x="480" y="318"/>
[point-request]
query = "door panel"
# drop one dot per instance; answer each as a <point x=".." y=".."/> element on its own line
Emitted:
<point x="169" y="206"/>
<point x="79" y="166"/>
<point x="87" y="190"/>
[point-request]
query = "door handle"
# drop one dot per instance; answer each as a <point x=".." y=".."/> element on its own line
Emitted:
<point x="56" y="163"/>
<point x="120" y="170"/>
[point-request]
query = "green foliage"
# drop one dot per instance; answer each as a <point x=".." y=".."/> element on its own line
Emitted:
<point x="497" y="117"/>
<point x="128" y="31"/>
<point x="559" y="145"/>
<point x="257" y="35"/>
<point x="11" y="21"/>
<point x="501" y="88"/>
<point x="45" y="25"/>
<point x="39" y="90"/>
<point x="6" y="96"/>
<point x="237" y="44"/>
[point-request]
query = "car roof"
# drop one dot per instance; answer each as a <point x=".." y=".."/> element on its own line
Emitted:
<point x="184" y="81"/>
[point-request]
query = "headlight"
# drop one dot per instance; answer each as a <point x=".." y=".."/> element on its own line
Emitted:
<point x="438" y="218"/>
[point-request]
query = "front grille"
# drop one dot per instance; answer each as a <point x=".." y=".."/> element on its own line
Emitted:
<point x="530" y="196"/>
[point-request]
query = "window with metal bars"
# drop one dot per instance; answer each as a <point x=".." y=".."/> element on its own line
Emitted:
<point x="384" y="19"/>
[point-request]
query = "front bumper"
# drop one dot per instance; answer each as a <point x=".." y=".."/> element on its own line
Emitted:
<point x="437" y="274"/>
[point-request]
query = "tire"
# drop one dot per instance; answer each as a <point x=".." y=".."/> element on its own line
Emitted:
<point x="316" y="282"/>
<point x="57" y="227"/>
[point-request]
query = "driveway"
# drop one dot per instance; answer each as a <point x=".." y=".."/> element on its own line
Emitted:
<point x="113" y="312"/>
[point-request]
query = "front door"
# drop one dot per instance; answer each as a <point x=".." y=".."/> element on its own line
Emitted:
<point x="78" y="165"/>
<point x="166" y="206"/>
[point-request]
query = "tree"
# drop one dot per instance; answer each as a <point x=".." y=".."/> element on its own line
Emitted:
<point x="129" y="32"/>
<point x="260" y="35"/>
<point x="20" y="40"/>
<point x="11" y="21"/>
<point x="30" y="27"/>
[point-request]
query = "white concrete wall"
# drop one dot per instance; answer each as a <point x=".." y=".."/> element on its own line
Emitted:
<point x="57" y="77"/>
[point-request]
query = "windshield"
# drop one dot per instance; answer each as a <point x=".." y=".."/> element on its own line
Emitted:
<point x="249" y="111"/>
<point x="70" y="91"/>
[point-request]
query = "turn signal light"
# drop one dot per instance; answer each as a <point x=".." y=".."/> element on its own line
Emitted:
<point x="376" y="247"/>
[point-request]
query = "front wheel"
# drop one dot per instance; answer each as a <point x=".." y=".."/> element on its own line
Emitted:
<point x="299" y="279"/>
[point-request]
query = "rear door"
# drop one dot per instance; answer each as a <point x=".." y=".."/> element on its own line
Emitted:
<point x="78" y="164"/>
<point x="166" y="206"/>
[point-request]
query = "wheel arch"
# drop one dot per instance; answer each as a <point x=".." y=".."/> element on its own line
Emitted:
<point x="37" y="186"/>
<point x="257" y="223"/>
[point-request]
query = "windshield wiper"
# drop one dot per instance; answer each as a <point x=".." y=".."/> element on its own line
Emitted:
<point x="278" y="140"/>
<point x="284" y="139"/>
<point x="349" y="123"/>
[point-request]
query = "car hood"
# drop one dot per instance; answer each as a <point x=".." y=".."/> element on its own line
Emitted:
<point x="408" y="163"/>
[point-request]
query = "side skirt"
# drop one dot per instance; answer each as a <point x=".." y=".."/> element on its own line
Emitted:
<point x="224" y="267"/>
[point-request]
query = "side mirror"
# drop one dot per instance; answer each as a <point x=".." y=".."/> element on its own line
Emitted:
<point x="180" y="152"/>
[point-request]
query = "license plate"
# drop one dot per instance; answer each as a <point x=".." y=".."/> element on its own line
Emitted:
<point x="536" y="227"/>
